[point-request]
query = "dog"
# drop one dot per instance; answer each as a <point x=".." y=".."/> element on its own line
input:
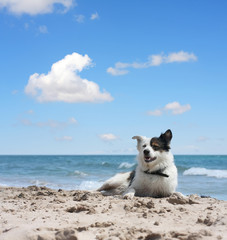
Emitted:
<point x="155" y="174"/>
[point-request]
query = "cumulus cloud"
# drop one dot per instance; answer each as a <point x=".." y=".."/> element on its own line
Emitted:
<point x="79" y="18"/>
<point x="108" y="137"/>
<point x="156" y="112"/>
<point x="63" y="83"/>
<point x="153" y="60"/>
<point x="52" y="124"/>
<point x="116" y="71"/>
<point x="34" y="7"/>
<point x="94" y="16"/>
<point x="174" y="108"/>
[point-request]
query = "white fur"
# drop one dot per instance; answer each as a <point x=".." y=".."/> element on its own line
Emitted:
<point x="145" y="185"/>
<point x="115" y="185"/>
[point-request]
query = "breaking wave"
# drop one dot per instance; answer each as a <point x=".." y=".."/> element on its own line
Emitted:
<point x="80" y="173"/>
<point x="126" y="165"/>
<point x="206" y="172"/>
<point x="89" y="185"/>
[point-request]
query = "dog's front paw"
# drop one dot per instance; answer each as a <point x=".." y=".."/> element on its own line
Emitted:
<point x="179" y="195"/>
<point x="129" y="195"/>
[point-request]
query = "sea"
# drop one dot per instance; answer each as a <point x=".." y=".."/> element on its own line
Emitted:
<point x="205" y="175"/>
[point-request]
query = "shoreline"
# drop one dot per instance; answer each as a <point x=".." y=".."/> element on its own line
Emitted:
<point x="42" y="213"/>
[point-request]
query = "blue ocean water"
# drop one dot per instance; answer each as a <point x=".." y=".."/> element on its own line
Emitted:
<point x="200" y="174"/>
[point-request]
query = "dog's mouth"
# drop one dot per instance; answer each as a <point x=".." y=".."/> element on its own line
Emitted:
<point x="149" y="159"/>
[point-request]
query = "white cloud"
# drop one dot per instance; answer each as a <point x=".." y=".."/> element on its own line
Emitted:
<point x="43" y="29"/>
<point x="34" y="7"/>
<point x="94" y="16"/>
<point x="52" y="124"/>
<point x="79" y="18"/>
<point x="64" y="139"/>
<point x="174" y="108"/>
<point x="180" y="57"/>
<point x="108" y="137"/>
<point x="153" y="60"/>
<point x="63" y="83"/>
<point x="116" y="72"/>
<point x="157" y="112"/>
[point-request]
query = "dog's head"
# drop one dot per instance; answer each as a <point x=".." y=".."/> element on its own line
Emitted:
<point x="153" y="150"/>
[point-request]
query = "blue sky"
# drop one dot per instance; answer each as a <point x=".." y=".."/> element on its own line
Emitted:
<point x="83" y="77"/>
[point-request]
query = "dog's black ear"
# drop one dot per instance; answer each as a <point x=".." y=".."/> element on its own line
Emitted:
<point x="167" y="136"/>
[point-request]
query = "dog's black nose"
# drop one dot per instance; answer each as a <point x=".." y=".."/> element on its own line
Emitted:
<point x="146" y="152"/>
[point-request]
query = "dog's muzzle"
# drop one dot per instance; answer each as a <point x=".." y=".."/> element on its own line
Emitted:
<point x="147" y="157"/>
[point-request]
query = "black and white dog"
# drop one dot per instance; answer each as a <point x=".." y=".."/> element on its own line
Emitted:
<point x="155" y="175"/>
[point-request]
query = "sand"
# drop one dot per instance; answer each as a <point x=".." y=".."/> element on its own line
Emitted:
<point x="39" y="213"/>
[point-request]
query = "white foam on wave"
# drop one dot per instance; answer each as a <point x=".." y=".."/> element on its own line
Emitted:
<point x="206" y="172"/>
<point x="38" y="182"/>
<point x="89" y="185"/>
<point x="79" y="173"/>
<point x="3" y="185"/>
<point x="126" y="165"/>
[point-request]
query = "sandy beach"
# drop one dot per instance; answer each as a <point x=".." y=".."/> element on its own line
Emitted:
<point x="41" y="213"/>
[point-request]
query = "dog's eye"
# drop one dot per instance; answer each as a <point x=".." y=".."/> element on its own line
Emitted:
<point x="144" y="145"/>
<point x="156" y="148"/>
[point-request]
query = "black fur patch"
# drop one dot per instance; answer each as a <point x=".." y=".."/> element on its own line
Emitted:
<point x="131" y="177"/>
<point x="162" y="143"/>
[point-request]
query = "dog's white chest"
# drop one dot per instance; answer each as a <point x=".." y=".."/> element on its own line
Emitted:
<point x="151" y="185"/>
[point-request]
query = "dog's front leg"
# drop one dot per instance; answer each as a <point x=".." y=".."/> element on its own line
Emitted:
<point x="129" y="193"/>
<point x="179" y="194"/>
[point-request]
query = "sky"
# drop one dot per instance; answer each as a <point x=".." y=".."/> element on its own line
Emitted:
<point x="85" y="76"/>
